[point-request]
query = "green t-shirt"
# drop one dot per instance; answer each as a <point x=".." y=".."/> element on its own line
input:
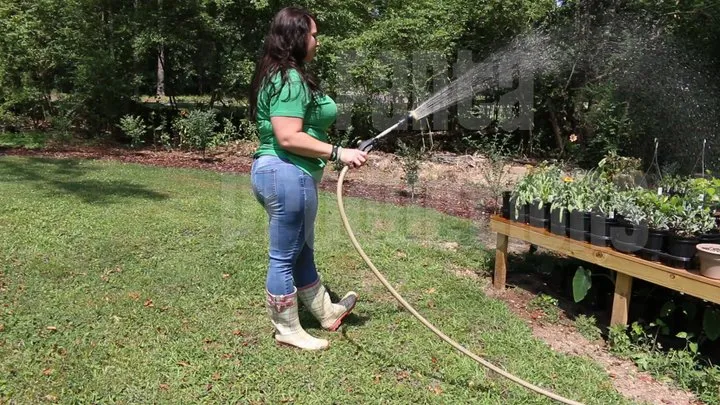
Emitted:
<point x="294" y="100"/>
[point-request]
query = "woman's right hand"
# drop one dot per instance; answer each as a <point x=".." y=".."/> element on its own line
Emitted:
<point x="353" y="158"/>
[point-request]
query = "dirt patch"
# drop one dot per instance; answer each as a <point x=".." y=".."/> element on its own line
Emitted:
<point x="452" y="184"/>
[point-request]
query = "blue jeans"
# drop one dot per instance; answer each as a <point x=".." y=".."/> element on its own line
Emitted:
<point x="290" y="198"/>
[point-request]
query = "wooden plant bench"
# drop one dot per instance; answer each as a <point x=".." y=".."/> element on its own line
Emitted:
<point x="627" y="266"/>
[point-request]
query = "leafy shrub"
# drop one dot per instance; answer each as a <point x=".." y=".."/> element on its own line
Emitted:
<point x="197" y="129"/>
<point x="411" y="165"/>
<point x="684" y="366"/>
<point x="587" y="326"/>
<point x="248" y="129"/>
<point x="135" y="128"/>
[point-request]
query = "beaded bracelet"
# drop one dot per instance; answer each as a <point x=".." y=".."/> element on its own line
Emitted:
<point x="334" y="153"/>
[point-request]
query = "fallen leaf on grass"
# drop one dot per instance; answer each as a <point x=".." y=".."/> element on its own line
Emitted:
<point x="134" y="296"/>
<point x="286" y="400"/>
<point x="225" y="276"/>
<point x="377" y="378"/>
<point x="431" y="304"/>
<point x="215" y="376"/>
<point x="208" y="387"/>
<point x="402" y="375"/>
<point x="237" y="332"/>
<point x="51" y="328"/>
<point x="2" y="327"/>
<point x="183" y="363"/>
<point x="48" y="371"/>
<point x="226" y="356"/>
<point x="430" y="291"/>
<point x="401" y="254"/>
<point x="164" y="387"/>
<point x="148" y="303"/>
<point x="51" y="398"/>
<point x="434" y="360"/>
<point x="436" y="389"/>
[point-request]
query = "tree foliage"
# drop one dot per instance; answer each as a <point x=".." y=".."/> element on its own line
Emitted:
<point x="87" y="62"/>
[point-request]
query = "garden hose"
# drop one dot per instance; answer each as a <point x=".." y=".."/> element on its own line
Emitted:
<point x="485" y="363"/>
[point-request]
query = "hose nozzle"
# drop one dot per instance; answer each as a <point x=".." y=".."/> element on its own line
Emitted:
<point x="367" y="145"/>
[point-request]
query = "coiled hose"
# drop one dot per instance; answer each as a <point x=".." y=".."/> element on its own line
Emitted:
<point x="456" y="345"/>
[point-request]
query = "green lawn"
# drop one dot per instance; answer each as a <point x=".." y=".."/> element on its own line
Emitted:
<point x="129" y="284"/>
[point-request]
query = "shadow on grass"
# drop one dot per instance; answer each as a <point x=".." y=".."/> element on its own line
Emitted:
<point x="64" y="176"/>
<point x="351" y="319"/>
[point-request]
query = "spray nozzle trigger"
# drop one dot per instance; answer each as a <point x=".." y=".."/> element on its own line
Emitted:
<point x="367" y="145"/>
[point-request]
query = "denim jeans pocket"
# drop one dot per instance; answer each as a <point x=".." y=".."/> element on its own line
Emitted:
<point x="264" y="184"/>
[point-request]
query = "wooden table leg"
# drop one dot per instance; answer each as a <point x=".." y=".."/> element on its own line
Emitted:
<point x="621" y="301"/>
<point x="500" y="262"/>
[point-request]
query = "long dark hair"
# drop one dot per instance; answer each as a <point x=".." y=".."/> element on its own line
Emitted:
<point x="285" y="48"/>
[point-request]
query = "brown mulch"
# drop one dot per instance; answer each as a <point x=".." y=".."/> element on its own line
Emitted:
<point x="443" y="197"/>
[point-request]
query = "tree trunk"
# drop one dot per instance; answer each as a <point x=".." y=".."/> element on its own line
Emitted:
<point x="557" y="131"/>
<point x="160" y="91"/>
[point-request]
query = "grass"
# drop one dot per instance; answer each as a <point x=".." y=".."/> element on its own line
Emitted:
<point x="130" y="284"/>
<point x="27" y="140"/>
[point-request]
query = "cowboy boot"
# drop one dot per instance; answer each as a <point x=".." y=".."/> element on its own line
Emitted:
<point x="316" y="298"/>
<point x="283" y="311"/>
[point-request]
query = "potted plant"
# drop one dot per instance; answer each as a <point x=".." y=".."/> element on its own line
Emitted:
<point x="558" y="208"/>
<point x="603" y="197"/>
<point x="535" y="192"/>
<point x="655" y="220"/>
<point x="505" y="210"/>
<point x="629" y="236"/>
<point x="687" y="222"/>
<point x="576" y="197"/>
<point x="519" y="207"/>
<point x="546" y="186"/>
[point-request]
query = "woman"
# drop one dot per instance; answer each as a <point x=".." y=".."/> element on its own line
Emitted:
<point x="293" y="116"/>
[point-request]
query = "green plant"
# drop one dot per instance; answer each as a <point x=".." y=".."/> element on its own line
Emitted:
<point x="587" y="326"/>
<point x="197" y="129"/>
<point x="653" y="208"/>
<point x="602" y="195"/>
<point x="541" y="185"/>
<point x="248" y="129"/>
<point x="626" y="204"/>
<point x="411" y="158"/>
<point x="496" y="150"/>
<point x="687" y="218"/>
<point x="575" y="193"/>
<point x="582" y="282"/>
<point x="621" y="170"/>
<point x="135" y="128"/>
<point x="548" y="305"/>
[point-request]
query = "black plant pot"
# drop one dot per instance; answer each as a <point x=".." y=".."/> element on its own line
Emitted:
<point x="505" y="210"/>
<point x="558" y="226"/>
<point x="600" y="229"/>
<point x="539" y="217"/>
<point x="680" y="251"/>
<point x="520" y="214"/>
<point x="627" y="237"/>
<point x="712" y="237"/>
<point x="579" y="226"/>
<point x="654" y="246"/>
